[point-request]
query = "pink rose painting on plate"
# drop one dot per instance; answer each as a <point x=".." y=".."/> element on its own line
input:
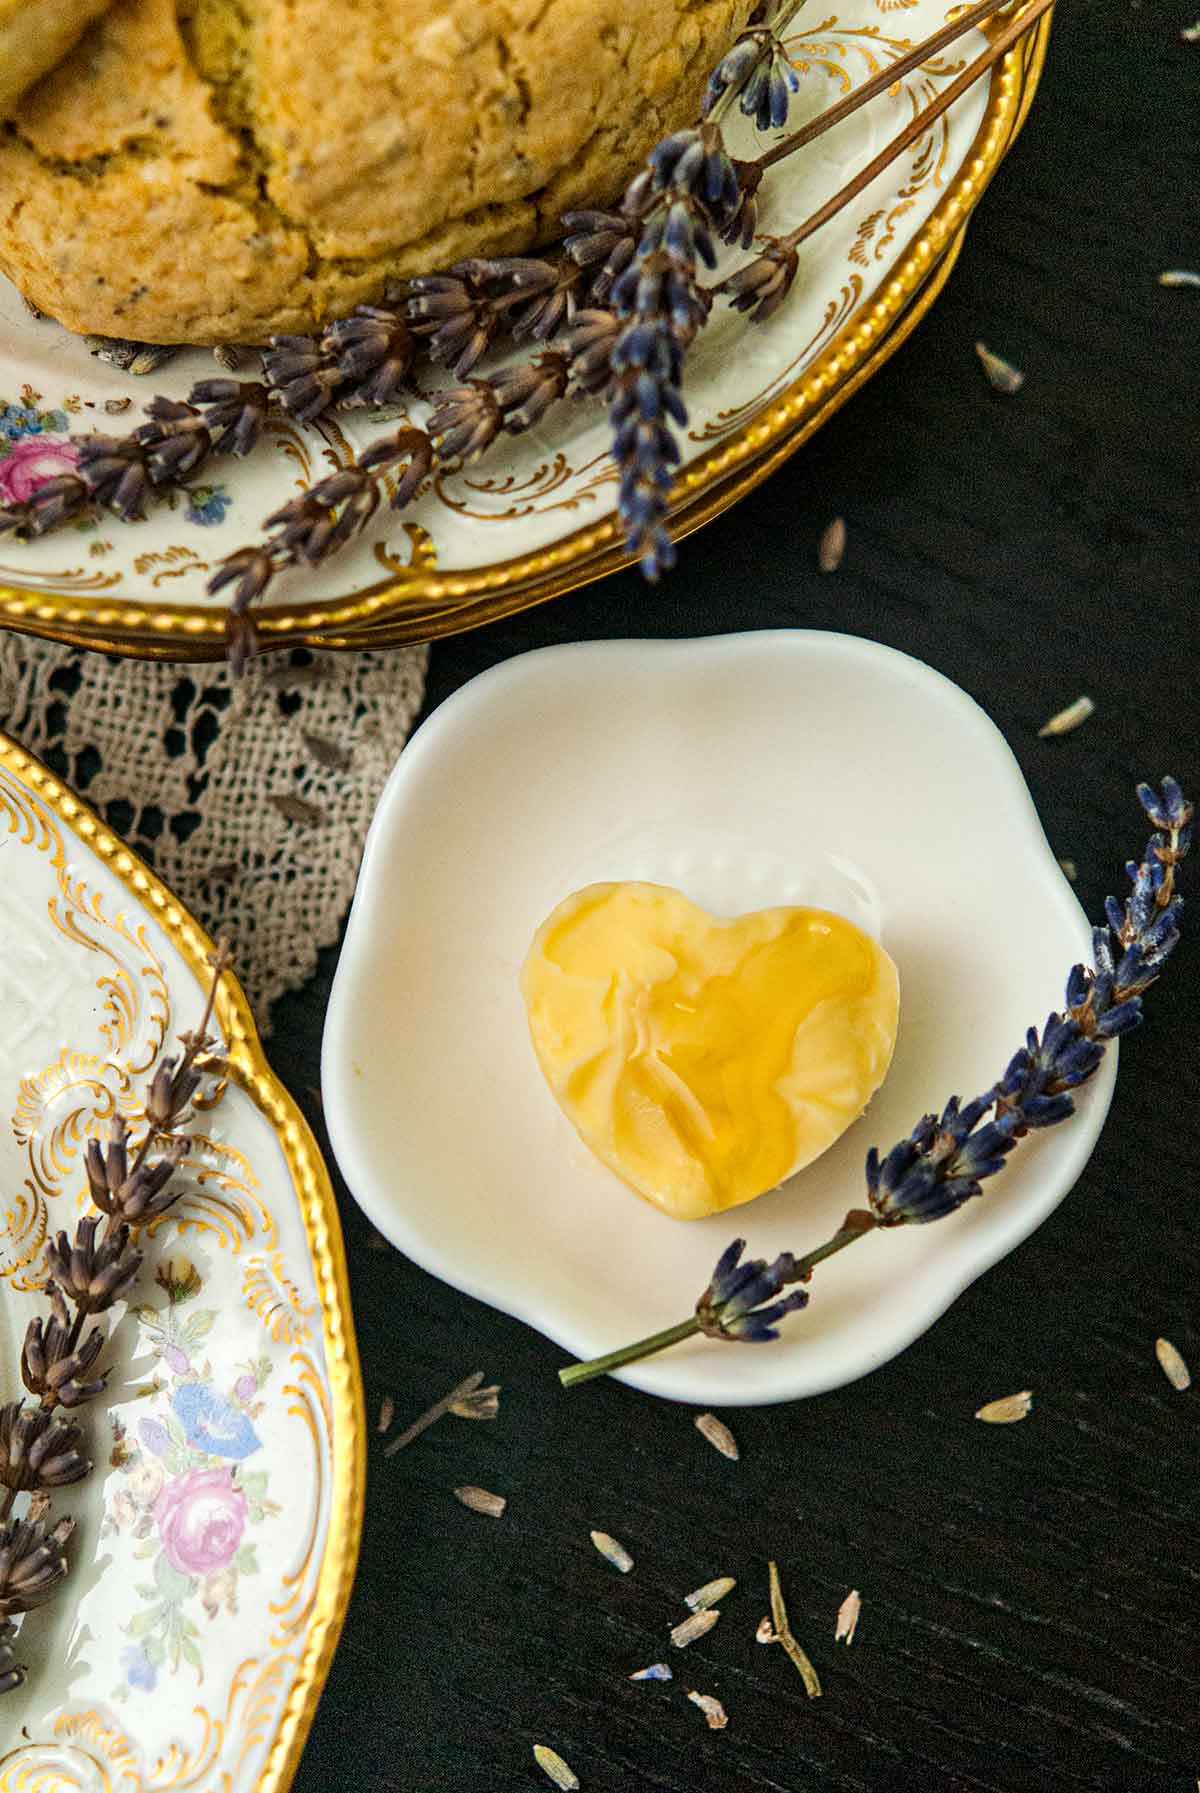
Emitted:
<point x="186" y="1495"/>
<point x="201" y="1518"/>
<point x="31" y="463"/>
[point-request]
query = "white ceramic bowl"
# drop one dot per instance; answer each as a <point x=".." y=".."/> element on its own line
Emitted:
<point x="747" y="770"/>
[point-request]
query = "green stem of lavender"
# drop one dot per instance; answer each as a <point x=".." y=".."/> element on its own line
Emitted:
<point x="686" y="1329"/>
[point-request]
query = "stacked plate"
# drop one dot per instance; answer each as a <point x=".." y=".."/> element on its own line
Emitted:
<point x="537" y="517"/>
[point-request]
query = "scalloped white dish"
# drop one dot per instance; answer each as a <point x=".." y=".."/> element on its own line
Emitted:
<point x="747" y="770"/>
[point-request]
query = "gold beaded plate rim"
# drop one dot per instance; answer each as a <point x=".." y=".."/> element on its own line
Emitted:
<point x="249" y="1068"/>
<point x="425" y="604"/>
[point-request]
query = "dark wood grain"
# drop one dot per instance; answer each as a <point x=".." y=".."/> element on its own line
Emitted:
<point x="1030" y="1592"/>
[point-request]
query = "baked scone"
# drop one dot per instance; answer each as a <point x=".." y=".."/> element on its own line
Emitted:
<point x="34" y="35"/>
<point x="220" y="170"/>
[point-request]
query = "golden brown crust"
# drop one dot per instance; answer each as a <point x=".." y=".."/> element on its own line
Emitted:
<point x="217" y="172"/>
<point x="36" y="34"/>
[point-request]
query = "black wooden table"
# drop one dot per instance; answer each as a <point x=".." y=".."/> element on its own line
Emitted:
<point x="1029" y="1592"/>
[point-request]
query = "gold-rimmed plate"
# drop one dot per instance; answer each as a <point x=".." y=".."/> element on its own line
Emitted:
<point x="217" y="1537"/>
<point x="538" y="519"/>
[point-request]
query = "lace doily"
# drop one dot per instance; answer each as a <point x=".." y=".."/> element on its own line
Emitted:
<point x="250" y="799"/>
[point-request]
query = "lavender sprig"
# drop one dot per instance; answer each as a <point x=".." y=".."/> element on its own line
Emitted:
<point x="120" y="473"/>
<point x="90" y="1271"/>
<point x="757" y="71"/>
<point x="947" y="1157"/>
<point x="316" y="524"/>
<point x="689" y="193"/>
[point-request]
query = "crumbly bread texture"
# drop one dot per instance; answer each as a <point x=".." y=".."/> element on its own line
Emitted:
<point x="221" y="170"/>
<point x="34" y="35"/>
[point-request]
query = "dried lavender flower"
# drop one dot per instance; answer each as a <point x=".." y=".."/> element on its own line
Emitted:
<point x="711" y="1594"/>
<point x="689" y="192"/>
<point x="459" y="1392"/>
<point x="32" y="1563"/>
<point x="757" y="72"/>
<point x="1172" y="1364"/>
<point x="695" y="1627"/>
<point x="11" y="1674"/>
<point x="1007" y="1410"/>
<point x="717" y="1434"/>
<point x="553" y="1766"/>
<point x="739" y="1302"/>
<point x="602" y="245"/>
<point x="235" y="412"/>
<point x="847" y="1618"/>
<point x="374" y="351"/>
<point x="589" y="342"/>
<point x="658" y="1671"/>
<point x="833" y="546"/>
<point x="116" y="472"/>
<point x="1064" y="721"/>
<point x="481" y="1403"/>
<point x="1001" y="374"/>
<point x="946" y="1158"/>
<point x="760" y="287"/>
<point x="58" y="501"/>
<point x="612" y="1551"/>
<point x="304" y="375"/>
<point x="712" y="1709"/>
<point x="318" y="522"/>
<point x="150" y="357"/>
<point x="481" y="1501"/>
<point x="54" y="1365"/>
<point x="38" y="1451"/>
<point x="452" y="313"/>
<point x="138" y="1194"/>
<point x="94" y="1273"/>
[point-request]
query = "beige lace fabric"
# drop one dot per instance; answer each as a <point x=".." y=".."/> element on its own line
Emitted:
<point x="251" y="799"/>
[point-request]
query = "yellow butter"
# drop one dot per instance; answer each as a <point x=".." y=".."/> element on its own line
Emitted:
<point x="705" y="1060"/>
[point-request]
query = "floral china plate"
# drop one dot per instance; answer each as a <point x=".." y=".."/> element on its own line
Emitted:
<point x="216" y="1539"/>
<point x="747" y="771"/>
<point x="537" y="517"/>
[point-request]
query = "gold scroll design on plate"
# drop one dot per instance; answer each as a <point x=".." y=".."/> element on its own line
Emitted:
<point x="220" y="1198"/>
<point x="827" y="47"/>
<point x="270" y="1293"/>
<point x="533" y="496"/>
<point x="76" y="1096"/>
<point x="69" y="579"/>
<point x="308" y="1403"/>
<point x="877" y="232"/>
<point x="90" y="1753"/>
<point x="172" y="563"/>
<point x="836" y="312"/>
<point x="422" y="553"/>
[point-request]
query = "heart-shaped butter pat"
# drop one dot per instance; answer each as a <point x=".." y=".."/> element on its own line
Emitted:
<point x="705" y="1060"/>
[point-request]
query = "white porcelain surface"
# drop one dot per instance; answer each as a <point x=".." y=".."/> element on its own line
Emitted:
<point x="747" y="770"/>
<point x="535" y="490"/>
<point x="187" y="1628"/>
